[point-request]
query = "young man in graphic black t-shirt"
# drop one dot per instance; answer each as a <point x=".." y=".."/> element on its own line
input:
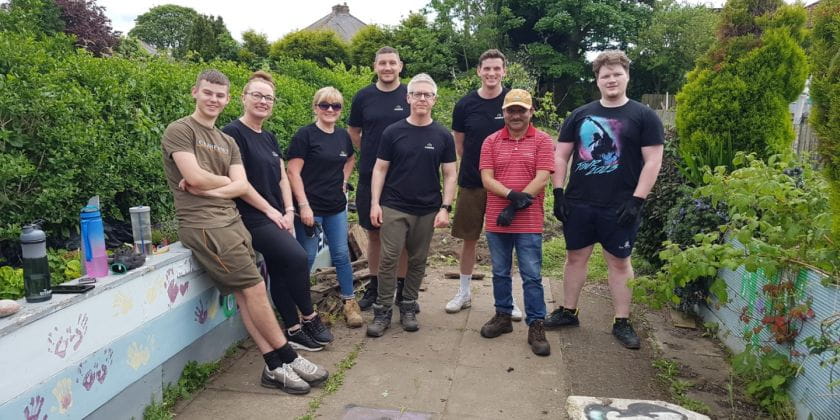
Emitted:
<point x="373" y="108"/>
<point x="406" y="201"/>
<point x="475" y="116"/>
<point x="616" y="146"/>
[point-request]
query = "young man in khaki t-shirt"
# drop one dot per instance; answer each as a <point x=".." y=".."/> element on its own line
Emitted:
<point x="204" y="172"/>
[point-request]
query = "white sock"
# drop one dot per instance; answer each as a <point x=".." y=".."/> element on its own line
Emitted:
<point x="465" y="284"/>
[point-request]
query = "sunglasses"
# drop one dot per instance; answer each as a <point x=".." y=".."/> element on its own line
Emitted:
<point x="325" y="106"/>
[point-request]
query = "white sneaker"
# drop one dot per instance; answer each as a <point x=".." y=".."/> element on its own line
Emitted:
<point x="309" y="372"/>
<point x="516" y="314"/>
<point x="458" y="302"/>
<point x="284" y="378"/>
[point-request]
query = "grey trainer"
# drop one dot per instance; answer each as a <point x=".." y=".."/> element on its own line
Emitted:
<point x="285" y="379"/>
<point x="309" y="372"/>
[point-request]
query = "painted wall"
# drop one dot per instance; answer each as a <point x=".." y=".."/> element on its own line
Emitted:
<point x="66" y="357"/>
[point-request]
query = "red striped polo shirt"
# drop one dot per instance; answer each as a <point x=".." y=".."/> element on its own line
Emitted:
<point x="515" y="164"/>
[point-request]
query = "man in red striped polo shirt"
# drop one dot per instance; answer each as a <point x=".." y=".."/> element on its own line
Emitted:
<point x="515" y="164"/>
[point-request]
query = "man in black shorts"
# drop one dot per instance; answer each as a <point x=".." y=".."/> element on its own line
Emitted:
<point x="617" y="145"/>
<point x="373" y="108"/>
<point x="477" y="115"/>
<point x="204" y="171"/>
<point x="406" y="201"/>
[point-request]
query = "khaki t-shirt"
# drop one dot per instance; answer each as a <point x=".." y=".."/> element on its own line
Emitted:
<point x="215" y="152"/>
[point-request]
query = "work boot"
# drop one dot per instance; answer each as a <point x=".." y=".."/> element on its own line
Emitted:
<point x="352" y="313"/>
<point x="562" y="317"/>
<point x="369" y="297"/>
<point x="536" y="338"/>
<point x="408" y="316"/>
<point x="496" y="326"/>
<point x="381" y="321"/>
<point x="398" y="294"/>
<point x="623" y="331"/>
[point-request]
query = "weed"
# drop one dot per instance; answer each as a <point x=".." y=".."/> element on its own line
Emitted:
<point x="334" y="383"/>
<point x="669" y="372"/>
<point x="193" y="378"/>
<point x="710" y="329"/>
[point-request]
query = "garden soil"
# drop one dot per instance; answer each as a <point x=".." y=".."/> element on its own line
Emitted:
<point x="448" y="371"/>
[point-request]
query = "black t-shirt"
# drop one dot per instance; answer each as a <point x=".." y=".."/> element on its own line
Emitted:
<point x="373" y="110"/>
<point x="324" y="156"/>
<point x="261" y="158"/>
<point x="477" y="118"/>
<point x="607" y="158"/>
<point x="415" y="153"/>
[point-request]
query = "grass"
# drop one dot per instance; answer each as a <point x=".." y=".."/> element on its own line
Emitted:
<point x="334" y="383"/>
<point x="669" y="372"/>
<point x="554" y="257"/>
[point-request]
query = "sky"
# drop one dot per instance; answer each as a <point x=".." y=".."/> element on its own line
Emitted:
<point x="273" y="18"/>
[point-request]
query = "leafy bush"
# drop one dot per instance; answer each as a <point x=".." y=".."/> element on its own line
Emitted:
<point x="318" y="46"/>
<point x="825" y="93"/>
<point x="736" y="99"/>
<point x="767" y="376"/>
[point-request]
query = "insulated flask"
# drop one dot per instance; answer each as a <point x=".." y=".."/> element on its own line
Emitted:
<point x="36" y="269"/>
<point x="93" y="241"/>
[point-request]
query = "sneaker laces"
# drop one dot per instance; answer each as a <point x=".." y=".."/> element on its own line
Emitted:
<point x="304" y="365"/>
<point x="289" y="373"/>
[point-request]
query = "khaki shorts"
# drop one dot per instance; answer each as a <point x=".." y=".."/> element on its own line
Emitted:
<point x="225" y="254"/>
<point x="469" y="213"/>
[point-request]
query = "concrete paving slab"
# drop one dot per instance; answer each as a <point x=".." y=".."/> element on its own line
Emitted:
<point x="507" y="350"/>
<point x="216" y="404"/>
<point x="367" y="413"/>
<point x="585" y="408"/>
<point x="431" y="344"/>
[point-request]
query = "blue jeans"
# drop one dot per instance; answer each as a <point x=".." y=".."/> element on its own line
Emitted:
<point x="335" y="229"/>
<point x="529" y="258"/>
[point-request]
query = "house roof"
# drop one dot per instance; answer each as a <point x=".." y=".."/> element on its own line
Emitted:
<point x="339" y="21"/>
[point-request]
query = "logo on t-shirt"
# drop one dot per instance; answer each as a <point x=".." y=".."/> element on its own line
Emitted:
<point x="213" y="147"/>
<point x="398" y="108"/>
<point x="600" y="145"/>
<point x="343" y="154"/>
<point x="429" y="146"/>
<point x="275" y="154"/>
<point x="499" y="117"/>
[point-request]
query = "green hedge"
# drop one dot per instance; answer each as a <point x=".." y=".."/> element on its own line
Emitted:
<point x="73" y="126"/>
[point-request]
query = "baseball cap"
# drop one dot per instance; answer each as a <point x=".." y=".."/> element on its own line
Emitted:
<point x="518" y="97"/>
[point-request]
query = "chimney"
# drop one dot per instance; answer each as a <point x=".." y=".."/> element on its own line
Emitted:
<point x="341" y="9"/>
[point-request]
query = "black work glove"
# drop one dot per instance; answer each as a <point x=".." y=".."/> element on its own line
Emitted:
<point x="506" y="216"/>
<point x="630" y="211"/>
<point x="560" y="210"/>
<point x="519" y="199"/>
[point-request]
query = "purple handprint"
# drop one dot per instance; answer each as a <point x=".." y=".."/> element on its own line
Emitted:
<point x="57" y="343"/>
<point x="87" y="381"/>
<point x="184" y="287"/>
<point x="201" y="313"/>
<point x="33" y="410"/>
<point x="79" y="331"/>
<point x="101" y="373"/>
<point x="171" y="290"/>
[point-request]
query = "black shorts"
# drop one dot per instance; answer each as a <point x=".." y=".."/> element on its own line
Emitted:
<point x="587" y="224"/>
<point x="363" y="205"/>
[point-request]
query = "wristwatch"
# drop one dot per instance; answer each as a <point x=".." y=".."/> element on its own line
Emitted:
<point x="447" y="207"/>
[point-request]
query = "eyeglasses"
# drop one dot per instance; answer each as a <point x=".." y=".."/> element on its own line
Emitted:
<point x="422" y="95"/>
<point x="259" y="97"/>
<point x="323" y="106"/>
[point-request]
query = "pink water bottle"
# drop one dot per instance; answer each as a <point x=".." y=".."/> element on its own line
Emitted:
<point x="93" y="241"/>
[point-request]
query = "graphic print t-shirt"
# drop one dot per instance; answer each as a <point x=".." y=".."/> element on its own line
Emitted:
<point x="412" y="184"/>
<point x="261" y="157"/>
<point x="373" y="110"/>
<point x="477" y="118"/>
<point x="324" y="156"/>
<point x="607" y="157"/>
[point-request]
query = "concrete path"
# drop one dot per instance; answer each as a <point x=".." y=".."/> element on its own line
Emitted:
<point x="446" y="370"/>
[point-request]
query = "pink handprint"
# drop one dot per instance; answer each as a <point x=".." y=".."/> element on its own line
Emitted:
<point x="184" y="287"/>
<point x="101" y="373"/>
<point x="201" y="313"/>
<point x="80" y="330"/>
<point x="33" y="410"/>
<point x="171" y="290"/>
<point x="56" y="343"/>
<point x="87" y="381"/>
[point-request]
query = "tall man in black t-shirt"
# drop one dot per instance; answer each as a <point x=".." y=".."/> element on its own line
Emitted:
<point x="373" y="108"/>
<point x="477" y="115"/>
<point x="617" y="144"/>
<point x="406" y="201"/>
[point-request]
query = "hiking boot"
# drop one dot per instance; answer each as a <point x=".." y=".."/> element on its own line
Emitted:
<point x="536" y="338"/>
<point x="285" y="379"/>
<point x="562" y="317"/>
<point x="352" y="313"/>
<point x="408" y="316"/>
<point x="381" y="321"/>
<point x="300" y="340"/>
<point x="458" y="302"/>
<point x="623" y="331"/>
<point x="309" y="372"/>
<point x="317" y="330"/>
<point x="369" y="297"/>
<point x="496" y="326"/>
<point x="398" y="294"/>
<point x="516" y="313"/>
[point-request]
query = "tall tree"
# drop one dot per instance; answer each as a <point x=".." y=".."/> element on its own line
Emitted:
<point x="254" y="49"/>
<point x="164" y="26"/>
<point x="666" y="49"/>
<point x="87" y="22"/>
<point x="424" y="48"/>
<point x="364" y="44"/>
<point x="317" y="46"/>
<point x="35" y="16"/>
<point x="208" y="39"/>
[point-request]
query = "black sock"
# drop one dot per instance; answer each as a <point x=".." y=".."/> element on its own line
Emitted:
<point x="272" y="360"/>
<point x="286" y="354"/>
